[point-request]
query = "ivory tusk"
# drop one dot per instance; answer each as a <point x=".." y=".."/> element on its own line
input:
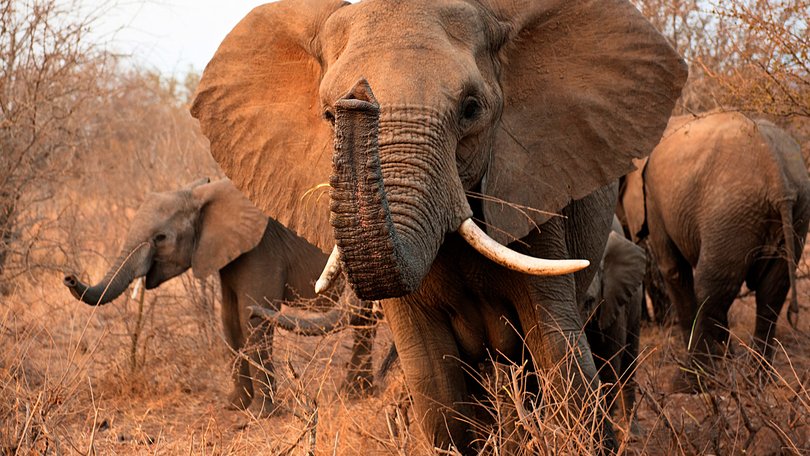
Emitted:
<point x="330" y="272"/>
<point x="508" y="258"/>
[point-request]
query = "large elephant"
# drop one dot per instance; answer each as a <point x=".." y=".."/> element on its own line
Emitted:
<point x="613" y="313"/>
<point x="422" y="115"/>
<point x="210" y="228"/>
<point x="722" y="200"/>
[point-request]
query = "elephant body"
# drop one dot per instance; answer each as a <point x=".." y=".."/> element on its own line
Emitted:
<point x="612" y="311"/>
<point x="424" y="116"/>
<point x="726" y="200"/>
<point x="212" y="228"/>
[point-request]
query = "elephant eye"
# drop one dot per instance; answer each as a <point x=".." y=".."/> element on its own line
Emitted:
<point x="329" y="116"/>
<point x="470" y="109"/>
<point x="160" y="237"/>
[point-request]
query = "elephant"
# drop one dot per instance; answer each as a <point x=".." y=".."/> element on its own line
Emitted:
<point x="419" y="117"/>
<point x="722" y="200"/>
<point x="612" y="311"/>
<point x="212" y="227"/>
<point x="659" y="309"/>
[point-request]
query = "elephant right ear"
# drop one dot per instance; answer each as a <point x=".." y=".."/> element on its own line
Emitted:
<point x="258" y="104"/>
<point x="229" y="226"/>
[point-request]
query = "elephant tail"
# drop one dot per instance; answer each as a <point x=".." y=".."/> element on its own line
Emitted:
<point x="786" y="212"/>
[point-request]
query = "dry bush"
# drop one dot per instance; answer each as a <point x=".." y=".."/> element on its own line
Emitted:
<point x="750" y="55"/>
<point x="48" y="74"/>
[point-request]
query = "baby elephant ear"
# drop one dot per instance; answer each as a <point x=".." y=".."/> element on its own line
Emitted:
<point x="258" y="104"/>
<point x="588" y="85"/>
<point x="229" y="226"/>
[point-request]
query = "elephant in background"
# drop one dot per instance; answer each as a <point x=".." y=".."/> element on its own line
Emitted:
<point x="421" y="116"/>
<point x="631" y="200"/>
<point x="212" y="227"/>
<point x="722" y="200"/>
<point x="612" y="312"/>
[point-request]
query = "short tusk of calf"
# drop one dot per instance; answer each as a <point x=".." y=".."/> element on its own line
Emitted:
<point x="330" y="272"/>
<point x="508" y="258"/>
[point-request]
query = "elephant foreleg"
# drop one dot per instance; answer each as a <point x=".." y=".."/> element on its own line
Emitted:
<point x="360" y="376"/>
<point x="242" y="394"/>
<point x="430" y="360"/>
<point x="554" y="332"/>
<point x="261" y="353"/>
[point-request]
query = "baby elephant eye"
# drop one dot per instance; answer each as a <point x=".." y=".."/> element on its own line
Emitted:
<point x="470" y="109"/>
<point x="160" y="237"/>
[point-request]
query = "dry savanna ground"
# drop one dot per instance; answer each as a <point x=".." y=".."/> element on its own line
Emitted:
<point x="151" y="378"/>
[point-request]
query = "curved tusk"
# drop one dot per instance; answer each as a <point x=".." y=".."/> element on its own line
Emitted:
<point x="330" y="272"/>
<point x="508" y="258"/>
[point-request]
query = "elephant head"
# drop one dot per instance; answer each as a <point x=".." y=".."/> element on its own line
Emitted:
<point x="422" y="114"/>
<point x="204" y="227"/>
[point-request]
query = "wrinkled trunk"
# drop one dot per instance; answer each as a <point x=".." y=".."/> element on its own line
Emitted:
<point x="390" y="214"/>
<point x="133" y="262"/>
<point x="321" y="325"/>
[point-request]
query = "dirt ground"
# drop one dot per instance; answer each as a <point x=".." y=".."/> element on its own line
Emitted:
<point x="71" y="382"/>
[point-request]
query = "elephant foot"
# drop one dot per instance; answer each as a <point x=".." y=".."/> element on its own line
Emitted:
<point x="239" y="399"/>
<point x="358" y="386"/>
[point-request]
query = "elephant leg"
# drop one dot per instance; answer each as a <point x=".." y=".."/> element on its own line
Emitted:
<point x="260" y="344"/>
<point x="242" y="394"/>
<point x="771" y="289"/>
<point x="554" y="332"/>
<point x="679" y="279"/>
<point x="430" y="360"/>
<point x="629" y="357"/>
<point x="718" y="278"/>
<point x="360" y="376"/>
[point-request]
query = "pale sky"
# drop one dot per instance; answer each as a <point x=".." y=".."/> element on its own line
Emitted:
<point x="168" y="35"/>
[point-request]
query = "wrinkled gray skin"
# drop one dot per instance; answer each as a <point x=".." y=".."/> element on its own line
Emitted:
<point x="726" y="200"/>
<point x="612" y="312"/>
<point x="411" y="110"/>
<point x="212" y="228"/>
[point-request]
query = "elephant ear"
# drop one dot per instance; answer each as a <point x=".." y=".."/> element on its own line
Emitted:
<point x="229" y="226"/>
<point x="624" y="264"/>
<point x="258" y="104"/>
<point x="588" y="85"/>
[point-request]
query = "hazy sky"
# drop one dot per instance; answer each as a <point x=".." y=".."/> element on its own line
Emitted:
<point x="168" y="35"/>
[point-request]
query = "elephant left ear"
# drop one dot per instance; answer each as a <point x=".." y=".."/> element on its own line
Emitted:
<point x="588" y="85"/>
<point x="230" y="225"/>
<point x="623" y="265"/>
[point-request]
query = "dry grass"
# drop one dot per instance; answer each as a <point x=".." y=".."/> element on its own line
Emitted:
<point x="67" y="384"/>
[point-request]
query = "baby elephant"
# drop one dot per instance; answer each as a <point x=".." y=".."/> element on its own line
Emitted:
<point x="613" y="311"/>
<point x="212" y="227"/>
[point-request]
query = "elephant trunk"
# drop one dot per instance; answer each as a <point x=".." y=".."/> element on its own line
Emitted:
<point x="133" y="262"/>
<point x="321" y="325"/>
<point x="386" y="251"/>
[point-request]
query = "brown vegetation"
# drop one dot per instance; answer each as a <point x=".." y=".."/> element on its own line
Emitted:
<point x="83" y="137"/>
